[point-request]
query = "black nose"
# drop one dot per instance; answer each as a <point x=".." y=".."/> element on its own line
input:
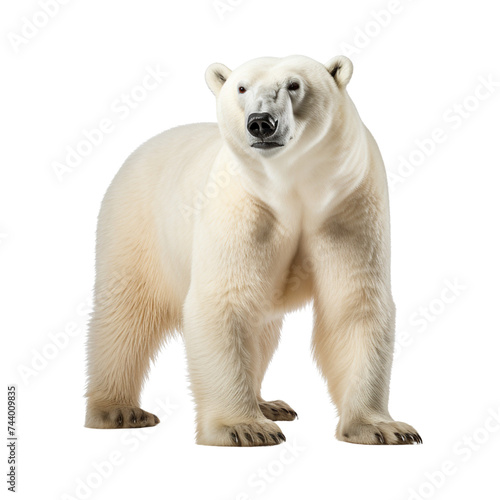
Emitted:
<point x="261" y="125"/>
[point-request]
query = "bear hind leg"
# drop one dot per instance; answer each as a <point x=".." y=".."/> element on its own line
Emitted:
<point x="268" y="342"/>
<point x="128" y="325"/>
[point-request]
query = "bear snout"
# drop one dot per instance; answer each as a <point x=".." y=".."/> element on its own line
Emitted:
<point x="261" y="125"/>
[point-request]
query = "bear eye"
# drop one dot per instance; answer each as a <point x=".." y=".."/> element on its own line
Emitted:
<point x="293" y="86"/>
<point x="242" y="90"/>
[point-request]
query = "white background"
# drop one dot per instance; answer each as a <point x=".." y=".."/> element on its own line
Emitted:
<point x="413" y="73"/>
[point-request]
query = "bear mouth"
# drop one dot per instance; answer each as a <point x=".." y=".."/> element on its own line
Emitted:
<point x="266" y="145"/>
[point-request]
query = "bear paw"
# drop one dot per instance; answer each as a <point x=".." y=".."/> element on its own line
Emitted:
<point x="277" y="410"/>
<point x="379" y="433"/>
<point x="257" y="433"/>
<point x="119" y="417"/>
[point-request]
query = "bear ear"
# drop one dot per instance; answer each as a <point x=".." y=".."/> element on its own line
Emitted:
<point x="215" y="76"/>
<point x="340" y="67"/>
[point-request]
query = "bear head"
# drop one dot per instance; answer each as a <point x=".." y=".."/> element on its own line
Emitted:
<point x="269" y="107"/>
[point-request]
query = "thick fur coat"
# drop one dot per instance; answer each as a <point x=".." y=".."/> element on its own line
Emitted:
<point x="218" y="230"/>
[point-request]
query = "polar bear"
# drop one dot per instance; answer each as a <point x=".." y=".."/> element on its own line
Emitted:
<point x="218" y="230"/>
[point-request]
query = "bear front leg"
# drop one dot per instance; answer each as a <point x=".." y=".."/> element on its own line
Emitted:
<point x="354" y="321"/>
<point x="236" y="247"/>
<point x="222" y="352"/>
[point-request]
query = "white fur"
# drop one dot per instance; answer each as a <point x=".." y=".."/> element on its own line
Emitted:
<point x="273" y="230"/>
